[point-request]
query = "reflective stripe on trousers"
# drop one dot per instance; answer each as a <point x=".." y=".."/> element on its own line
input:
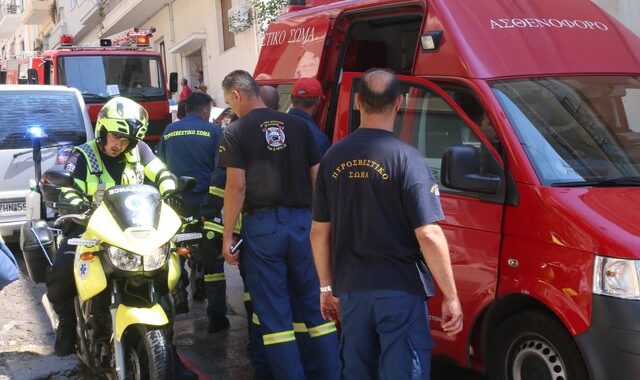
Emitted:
<point x="284" y="288"/>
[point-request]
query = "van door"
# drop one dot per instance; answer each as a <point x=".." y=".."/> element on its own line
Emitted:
<point x="432" y="122"/>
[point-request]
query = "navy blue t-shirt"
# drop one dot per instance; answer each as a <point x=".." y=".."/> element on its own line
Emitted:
<point x="375" y="190"/>
<point x="189" y="147"/>
<point x="322" y="141"/>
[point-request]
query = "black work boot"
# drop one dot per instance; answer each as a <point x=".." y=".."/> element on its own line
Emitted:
<point x="180" y="299"/>
<point x="198" y="293"/>
<point x="218" y="324"/>
<point x="181" y="371"/>
<point x="65" y="336"/>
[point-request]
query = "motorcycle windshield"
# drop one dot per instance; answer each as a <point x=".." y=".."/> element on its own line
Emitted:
<point x="134" y="205"/>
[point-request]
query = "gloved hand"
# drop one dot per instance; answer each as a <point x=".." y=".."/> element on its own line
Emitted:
<point x="175" y="202"/>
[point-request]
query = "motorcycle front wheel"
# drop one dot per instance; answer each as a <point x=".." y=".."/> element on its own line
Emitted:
<point x="147" y="354"/>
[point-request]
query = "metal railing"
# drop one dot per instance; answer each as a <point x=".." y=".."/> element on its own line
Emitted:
<point x="110" y="5"/>
<point x="11" y="7"/>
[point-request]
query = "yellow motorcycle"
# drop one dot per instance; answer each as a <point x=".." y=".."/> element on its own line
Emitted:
<point x="126" y="264"/>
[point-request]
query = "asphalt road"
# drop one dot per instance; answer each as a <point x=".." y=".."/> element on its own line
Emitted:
<point x="26" y="339"/>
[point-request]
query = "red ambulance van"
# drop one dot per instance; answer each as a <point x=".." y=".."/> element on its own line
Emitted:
<point x="528" y="113"/>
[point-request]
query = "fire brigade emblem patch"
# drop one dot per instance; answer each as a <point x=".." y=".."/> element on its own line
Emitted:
<point x="274" y="134"/>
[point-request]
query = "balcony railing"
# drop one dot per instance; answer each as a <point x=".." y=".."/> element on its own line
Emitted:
<point x="10" y="16"/>
<point x="11" y="7"/>
<point x="110" y="5"/>
<point x="36" y="12"/>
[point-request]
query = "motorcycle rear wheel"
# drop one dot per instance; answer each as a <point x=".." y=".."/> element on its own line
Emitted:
<point x="148" y="354"/>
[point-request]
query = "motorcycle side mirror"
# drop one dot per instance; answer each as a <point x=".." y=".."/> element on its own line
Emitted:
<point x="59" y="177"/>
<point x="185" y="184"/>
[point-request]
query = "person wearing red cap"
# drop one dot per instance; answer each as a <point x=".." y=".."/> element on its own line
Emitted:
<point x="305" y="101"/>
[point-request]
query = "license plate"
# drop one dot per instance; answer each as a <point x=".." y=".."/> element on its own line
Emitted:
<point x="13" y="208"/>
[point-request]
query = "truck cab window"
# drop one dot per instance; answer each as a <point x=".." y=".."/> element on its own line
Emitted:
<point x="139" y="78"/>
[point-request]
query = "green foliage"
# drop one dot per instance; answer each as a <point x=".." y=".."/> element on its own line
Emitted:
<point x="266" y="11"/>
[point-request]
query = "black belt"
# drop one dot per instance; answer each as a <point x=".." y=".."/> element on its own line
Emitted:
<point x="253" y="211"/>
<point x="256" y="210"/>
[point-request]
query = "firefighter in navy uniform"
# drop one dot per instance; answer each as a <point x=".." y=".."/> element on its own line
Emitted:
<point x="117" y="156"/>
<point x="271" y="159"/>
<point x="211" y="252"/>
<point x="189" y="147"/>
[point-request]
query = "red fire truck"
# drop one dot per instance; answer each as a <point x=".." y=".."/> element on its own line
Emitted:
<point x="123" y="66"/>
<point x="527" y="113"/>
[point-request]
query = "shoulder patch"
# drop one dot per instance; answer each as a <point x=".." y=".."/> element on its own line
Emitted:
<point x="435" y="190"/>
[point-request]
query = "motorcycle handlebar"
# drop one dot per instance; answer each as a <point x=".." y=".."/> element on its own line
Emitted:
<point x="78" y="218"/>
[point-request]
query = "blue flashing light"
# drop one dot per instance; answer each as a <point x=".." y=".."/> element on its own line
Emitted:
<point x="36" y="132"/>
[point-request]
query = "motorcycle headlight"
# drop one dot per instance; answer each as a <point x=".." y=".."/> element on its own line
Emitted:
<point x="157" y="258"/>
<point x="616" y="277"/>
<point x="124" y="260"/>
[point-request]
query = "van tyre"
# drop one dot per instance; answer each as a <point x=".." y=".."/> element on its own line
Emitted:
<point x="148" y="355"/>
<point x="534" y="346"/>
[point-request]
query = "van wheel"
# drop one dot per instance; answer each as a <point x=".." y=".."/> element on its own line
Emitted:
<point x="534" y="346"/>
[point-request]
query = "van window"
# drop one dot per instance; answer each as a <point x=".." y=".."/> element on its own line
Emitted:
<point x="284" y="92"/>
<point x="576" y="130"/>
<point x="426" y="121"/>
<point x="383" y="41"/>
<point x="58" y="113"/>
<point x="465" y="98"/>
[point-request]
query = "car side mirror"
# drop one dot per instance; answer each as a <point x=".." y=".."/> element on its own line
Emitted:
<point x="185" y="184"/>
<point x="173" y="82"/>
<point x="461" y="170"/>
<point x="59" y="177"/>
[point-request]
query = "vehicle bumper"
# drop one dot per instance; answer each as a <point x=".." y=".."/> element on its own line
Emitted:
<point x="611" y="345"/>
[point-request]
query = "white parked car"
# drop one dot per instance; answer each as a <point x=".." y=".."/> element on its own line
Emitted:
<point x="59" y="114"/>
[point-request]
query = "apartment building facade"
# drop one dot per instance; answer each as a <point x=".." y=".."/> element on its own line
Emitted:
<point x="191" y="34"/>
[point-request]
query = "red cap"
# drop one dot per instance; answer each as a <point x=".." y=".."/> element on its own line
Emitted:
<point x="307" y="88"/>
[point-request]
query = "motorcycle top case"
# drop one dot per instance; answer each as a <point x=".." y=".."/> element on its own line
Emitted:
<point x="37" y="244"/>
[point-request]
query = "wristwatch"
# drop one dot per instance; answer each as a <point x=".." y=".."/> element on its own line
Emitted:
<point x="326" y="289"/>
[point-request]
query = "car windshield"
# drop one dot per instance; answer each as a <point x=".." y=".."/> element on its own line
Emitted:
<point x="577" y="130"/>
<point x="58" y="114"/>
<point x="101" y="77"/>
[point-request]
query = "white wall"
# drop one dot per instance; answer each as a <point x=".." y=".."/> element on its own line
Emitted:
<point x="179" y="20"/>
<point x="626" y="11"/>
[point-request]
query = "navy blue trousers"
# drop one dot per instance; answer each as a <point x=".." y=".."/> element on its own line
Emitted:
<point x="214" y="278"/>
<point x="284" y="288"/>
<point x="385" y="335"/>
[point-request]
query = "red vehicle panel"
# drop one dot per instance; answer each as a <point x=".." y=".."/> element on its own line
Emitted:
<point x="544" y="247"/>
<point x="507" y="38"/>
